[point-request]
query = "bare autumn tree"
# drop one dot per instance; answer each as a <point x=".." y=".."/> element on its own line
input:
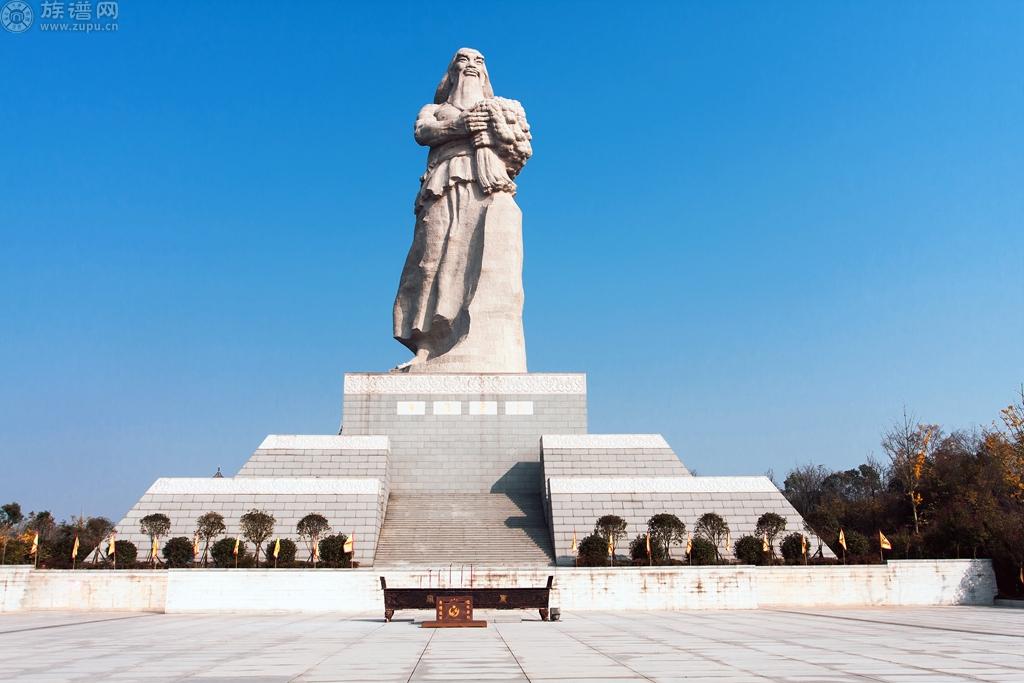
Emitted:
<point x="908" y="444"/>
<point x="1008" y="445"/>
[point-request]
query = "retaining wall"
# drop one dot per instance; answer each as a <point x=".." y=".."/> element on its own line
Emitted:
<point x="913" y="582"/>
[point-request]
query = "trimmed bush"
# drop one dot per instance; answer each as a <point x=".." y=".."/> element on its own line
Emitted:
<point x="792" y="550"/>
<point x="178" y="552"/>
<point x="126" y="553"/>
<point x="223" y="553"/>
<point x="332" y="552"/>
<point x="286" y="557"/>
<point x="592" y="551"/>
<point x="703" y="551"/>
<point x="749" y="550"/>
<point x="857" y="544"/>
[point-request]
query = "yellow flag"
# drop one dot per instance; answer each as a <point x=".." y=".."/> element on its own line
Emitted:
<point x="1022" y="573"/>
<point x="74" y="548"/>
<point x="728" y="538"/>
<point x="842" y="539"/>
<point x="154" y="550"/>
<point x="689" y="544"/>
<point x="316" y="552"/>
<point x="235" y="551"/>
<point x="112" y="546"/>
<point x="574" y="547"/>
<point x="195" y="546"/>
<point x="350" y="544"/>
<point x="277" y="548"/>
<point x="648" y="545"/>
<point x="35" y="544"/>
<point x="611" y="548"/>
<point x="803" y="545"/>
<point x="884" y="542"/>
<point x="764" y="544"/>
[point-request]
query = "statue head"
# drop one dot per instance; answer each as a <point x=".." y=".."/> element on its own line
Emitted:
<point x="467" y="63"/>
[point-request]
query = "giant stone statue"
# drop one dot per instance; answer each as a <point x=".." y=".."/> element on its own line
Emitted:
<point x="459" y="306"/>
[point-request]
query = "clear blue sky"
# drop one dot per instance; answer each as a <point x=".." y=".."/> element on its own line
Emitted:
<point x="760" y="228"/>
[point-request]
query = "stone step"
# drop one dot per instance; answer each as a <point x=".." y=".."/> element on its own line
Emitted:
<point x="488" y="529"/>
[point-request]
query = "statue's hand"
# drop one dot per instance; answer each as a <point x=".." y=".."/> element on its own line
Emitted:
<point x="476" y="121"/>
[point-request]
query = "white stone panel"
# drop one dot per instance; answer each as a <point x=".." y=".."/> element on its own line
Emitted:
<point x="411" y="408"/>
<point x="519" y="407"/>
<point x="605" y="441"/>
<point x="483" y="407"/>
<point x="265" y="485"/>
<point x="325" y="442"/>
<point x="447" y="407"/>
<point x="661" y="485"/>
<point x="530" y="383"/>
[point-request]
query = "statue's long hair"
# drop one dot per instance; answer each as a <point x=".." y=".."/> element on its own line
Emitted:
<point x="444" y="88"/>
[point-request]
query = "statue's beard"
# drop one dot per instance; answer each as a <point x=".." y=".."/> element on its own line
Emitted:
<point x="468" y="90"/>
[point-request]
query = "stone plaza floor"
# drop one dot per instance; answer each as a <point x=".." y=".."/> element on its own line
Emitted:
<point x="898" y="644"/>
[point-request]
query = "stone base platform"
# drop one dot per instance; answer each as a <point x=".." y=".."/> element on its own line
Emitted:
<point x="434" y="440"/>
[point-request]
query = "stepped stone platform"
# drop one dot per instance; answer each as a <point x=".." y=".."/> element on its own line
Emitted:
<point x="489" y="469"/>
<point x="482" y="529"/>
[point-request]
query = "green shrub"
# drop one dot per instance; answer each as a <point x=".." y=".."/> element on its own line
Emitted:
<point x="178" y="552"/>
<point x="750" y="550"/>
<point x="286" y="557"/>
<point x="223" y="553"/>
<point x="17" y="551"/>
<point x="792" y="550"/>
<point x="126" y="553"/>
<point x="332" y="552"/>
<point x="857" y="545"/>
<point x="592" y="551"/>
<point x="703" y="551"/>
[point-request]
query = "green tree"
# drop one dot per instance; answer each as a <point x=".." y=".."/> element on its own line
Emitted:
<point x="257" y="526"/>
<point x="770" y="525"/>
<point x="208" y="527"/>
<point x="310" y="529"/>
<point x="713" y="528"/>
<point x="666" y="530"/>
<point x="612" y="529"/>
<point x="155" y="526"/>
<point x="10" y="518"/>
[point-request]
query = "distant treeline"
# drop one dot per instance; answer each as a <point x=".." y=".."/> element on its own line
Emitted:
<point x="935" y="495"/>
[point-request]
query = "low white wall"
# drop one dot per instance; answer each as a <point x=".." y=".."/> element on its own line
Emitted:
<point x="923" y="582"/>
<point x="13" y="581"/>
<point x="900" y="582"/>
<point x="89" y="590"/>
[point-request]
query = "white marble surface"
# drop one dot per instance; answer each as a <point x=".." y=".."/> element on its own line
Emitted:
<point x="926" y="645"/>
<point x="661" y="485"/>
<point x="274" y="485"/>
<point x="525" y="383"/>
<point x="323" y="442"/>
<point x="603" y="441"/>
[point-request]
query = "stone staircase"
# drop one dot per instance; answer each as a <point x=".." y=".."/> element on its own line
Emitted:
<point x="482" y="529"/>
